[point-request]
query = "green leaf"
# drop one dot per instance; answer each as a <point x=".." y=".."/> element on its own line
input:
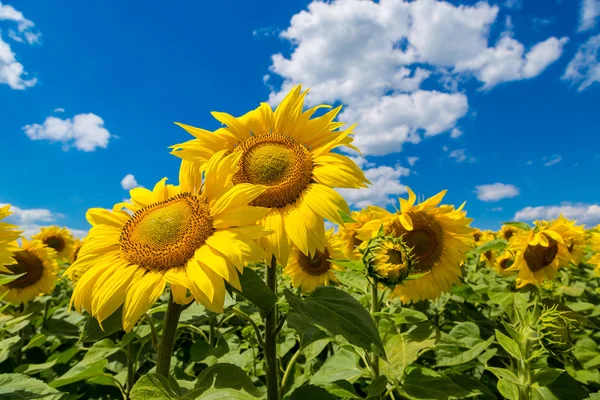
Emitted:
<point x="495" y="245"/>
<point x="545" y="376"/>
<point x="311" y="392"/>
<point x="31" y="369"/>
<point x="508" y="389"/>
<point x="308" y="333"/>
<point x="153" y="387"/>
<point x="36" y="340"/>
<point x="403" y="349"/>
<point x="93" y="332"/>
<point x="353" y="279"/>
<point x="377" y="387"/>
<point x="503" y="373"/>
<point x="225" y="394"/>
<point x="508" y="344"/>
<point x="466" y="356"/>
<point x="256" y="291"/>
<point x="222" y="376"/>
<point x="354" y="265"/>
<point x="343" y="365"/>
<point x="521" y="225"/>
<point x="7" y="347"/>
<point x="340" y="314"/>
<point x="346" y="217"/>
<point x="424" y="383"/>
<point x="409" y="316"/>
<point x="60" y="327"/>
<point x="4" y="279"/>
<point x="477" y="389"/>
<point x="22" y="387"/>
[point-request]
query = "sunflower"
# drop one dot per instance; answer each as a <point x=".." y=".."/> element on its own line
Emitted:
<point x="439" y="237"/>
<point x="476" y="236"/>
<point x="541" y="251"/>
<point x="347" y="232"/>
<point x="193" y="236"/>
<point x="508" y="231"/>
<point x="388" y="260"/>
<point x="503" y="262"/>
<point x="76" y="247"/>
<point x="574" y="240"/>
<point x="308" y="272"/>
<point x="290" y="153"/>
<point x="8" y="235"/>
<point x="38" y="263"/>
<point x="57" y="238"/>
<point x="595" y="247"/>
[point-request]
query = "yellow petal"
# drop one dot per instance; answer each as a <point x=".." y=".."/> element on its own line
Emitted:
<point x="234" y="125"/>
<point x="326" y="202"/>
<point x="406" y="222"/>
<point x="237" y="196"/>
<point x="239" y="216"/>
<point x="236" y="248"/>
<point x="145" y="288"/>
<point x="554" y="235"/>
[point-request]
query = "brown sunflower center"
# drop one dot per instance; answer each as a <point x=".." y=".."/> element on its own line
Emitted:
<point x="29" y="264"/>
<point x="477" y="237"/>
<point x="55" y="242"/>
<point x="508" y="234"/>
<point x="166" y="234"/>
<point x="539" y="257"/>
<point x="316" y="265"/>
<point x="356" y="242"/>
<point x="276" y="161"/>
<point x="505" y="263"/>
<point x="426" y="240"/>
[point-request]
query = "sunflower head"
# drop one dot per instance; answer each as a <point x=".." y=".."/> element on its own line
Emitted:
<point x="8" y="235"/>
<point x="477" y="235"/>
<point x="38" y="264"/>
<point x="57" y="238"/>
<point x="348" y="232"/>
<point x="508" y="231"/>
<point x="388" y="260"/>
<point x="504" y="262"/>
<point x="556" y="330"/>
<point x="290" y="153"/>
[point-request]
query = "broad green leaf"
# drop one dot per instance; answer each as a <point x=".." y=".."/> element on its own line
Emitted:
<point x="409" y="316"/>
<point x="377" y="387"/>
<point x="424" y="383"/>
<point x="225" y="394"/>
<point x="503" y="373"/>
<point x="308" y="332"/>
<point x="340" y="314"/>
<point x="22" y="387"/>
<point x="4" y="279"/>
<point x="543" y="393"/>
<point x="466" y="356"/>
<point x="346" y="217"/>
<point x="256" y="291"/>
<point x="153" y="387"/>
<point x="495" y="245"/>
<point x="466" y="333"/>
<point x="343" y="365"/>
<point x="342" y="389"/>
<point x="521" y="225"/>
<point x="93" y="332"/>
<point x="353" y="279"/>
<point x="354" y="265"/>
<point x="508" y="344"/>
<point x="36" y="340"/>
<point x="61" y="327"/>
<point x="195" y="314"/>
<point x="545" y="376"/>
<point x="31" y="369"/>
<point x="508" y="389"/>
<point x="476" y="388"/>
<point x="222" y="376"/>
<point x="403" y="349"/>
<point x="7" y="347"/>
<point x="311" y="392"/>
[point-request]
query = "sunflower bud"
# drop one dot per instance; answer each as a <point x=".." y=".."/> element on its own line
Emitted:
<point x="555" y="328"/>
<point x="388" y="260"/>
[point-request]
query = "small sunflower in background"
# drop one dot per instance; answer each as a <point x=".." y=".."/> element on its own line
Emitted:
<point x="308" y="272"/>
<point x="194" y="236"/>
<point x="57" y="238"/>
<point x="76" y="247"/>
<point x="541" y="251"/>
<point x="595" y="247"/>
<point x="291" y="154"/>
<point x="439" y="236"/>
<point x="39" y="264"/>
<point x="348" y="231"/>
<point x="477" y="235"/>
<point x="8" y="235"/>
<point x="575" y="239"/>
<point x="508" y="231"/>
<point x="503" y="263"/>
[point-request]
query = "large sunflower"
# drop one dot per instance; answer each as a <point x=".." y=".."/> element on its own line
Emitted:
<point x="347" y="231"/>
<point x="291" y="154"/>
<point x="308" y="272"/>
<point x="57" y="238"/>
<point x="8" y="235"/>
<point x="192" y="236"/>
<point x="541" y="251"/>
<point x="439" y="237"/>
<point x="38" y="263"/>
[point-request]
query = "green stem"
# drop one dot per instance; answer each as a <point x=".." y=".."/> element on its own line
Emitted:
<point x="165" y="349"/>
<point x="270" y="348"/>
<point x="245" y="316"/>
<point x="374" y="311"/>
<point x="288" y="370"/>
<point x="130" y="368"/>
<point x="153" y="335"/>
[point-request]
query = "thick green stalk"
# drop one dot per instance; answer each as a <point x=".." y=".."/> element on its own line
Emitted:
<point x="165" y="348"/>
<point x="130" y="368"/>
<point x="271" y="336"/>
<point x="374" y="311"/>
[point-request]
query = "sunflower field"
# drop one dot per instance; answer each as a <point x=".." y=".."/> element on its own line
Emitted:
<point x="250" y="278"/>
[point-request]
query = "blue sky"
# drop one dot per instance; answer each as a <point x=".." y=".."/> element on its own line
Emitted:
<point x="497" y="100"/>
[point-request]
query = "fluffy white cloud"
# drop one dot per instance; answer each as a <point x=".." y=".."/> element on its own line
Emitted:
<point x="590" y="10"/>
<point x="30" y="220"/>
<point x="59" y="110"/>
<point x="555" y="159"/>
<point x="412" y="160"/>
<point x="24" y="26"/>
<point x="385" y="182"/>
<point x="584" y="68"/>
<point x="12" y="72"/>
<point x="588" y="214"/>
<point x="496" y="191"/>
<point x="374" y="57"/>
<point x="129" y="182"/>
<point x="460" y="155"/>
<point x="85" y="132"/>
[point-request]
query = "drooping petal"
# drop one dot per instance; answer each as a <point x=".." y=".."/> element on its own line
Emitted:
<point x="326" y="202"/>
<point x="145" y="288"/>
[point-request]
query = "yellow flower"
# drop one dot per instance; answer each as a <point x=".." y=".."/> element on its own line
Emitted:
<point x="308" y="272"/>
<point x="503" y="263"/>
<point x="595" y="247"/>
<point x="8" y="235"/>
<point x="193" y="236"/>
<point x="76" y="247"/>
<point x="38" y="263"/>
<point x="508" y="231"/>
<point x="347" y="232"/>
<point x="439" y="237"/>
<point x="388" y="260"/>
<point x="57" y="238"/>
<point x="574" y="240"/>
<point x="292" y="155"/>
<point x="477" y="235"/>
<point x="541" y="251"/>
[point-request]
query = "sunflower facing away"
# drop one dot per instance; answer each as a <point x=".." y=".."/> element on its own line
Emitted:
<point x="193" y="236"/>
<point x="347" y="232"/>
<point x="57" y="238"/>
<point x="8" y="235"/>
<point x="308" y="272"/>
<point x="541" y="251"/>
<point x="291" y="154"/>
<point x="439" y="237"/>
<point x="38" y="263"/>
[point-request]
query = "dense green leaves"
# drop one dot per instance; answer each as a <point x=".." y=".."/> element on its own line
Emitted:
<point x="22" y="387"/>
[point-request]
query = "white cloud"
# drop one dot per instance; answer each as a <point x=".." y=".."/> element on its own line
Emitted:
<point x="460" y="155"/>
<point x="590" y="10"/>
<point x="495" y="209"/>
<point x="552" y="160"/>
<point x="588" y="214"/>
<point x="12" y="72"/>
<point x="584" y="68"/>
<point x="385" y="182"/>
<point x="412" y="160"/>
<point x="24" y="26"/>
<point x="59" y="110"/>
<point x="129" y="182"/>
<point x="514" y="4"/>
<point x="85" y="132"/>
<point x="496" y="191"/>
<point x="455" y="133"/>
<point x="30" y="220"/>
